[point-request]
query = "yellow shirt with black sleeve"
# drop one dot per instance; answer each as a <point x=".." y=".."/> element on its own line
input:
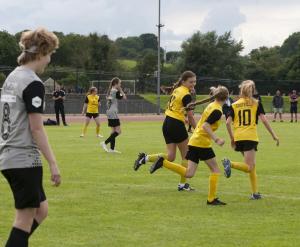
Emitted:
<point x="244" y="113"/>
<point x="212" y="115"/>
<point x="180" y="98"/>
<point x="92" y="102"/>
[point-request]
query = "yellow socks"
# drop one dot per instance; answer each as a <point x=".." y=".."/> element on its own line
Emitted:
<point x="179" y="169"/>
<point x="97" y="130"/>
<point x="253" y="180"/>
<point x="154" y="157"/>
<point x="240" y="166"/>
<point x="212" y="189"/>
<point x="84" y="129"/>
<point x="184" y="163"/>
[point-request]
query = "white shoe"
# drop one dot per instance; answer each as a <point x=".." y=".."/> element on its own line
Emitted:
<point x="82" y="135"/>
<point x="104" y="146"/>
<point x="114" y="151"/>
<point x="99" y="136"/>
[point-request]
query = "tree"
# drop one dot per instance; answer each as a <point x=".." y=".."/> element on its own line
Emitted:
<point x="149" y="41"/>
<point x="9" y="50"/>
<point x="208" y="54"/>
<point x="291" y="45"/>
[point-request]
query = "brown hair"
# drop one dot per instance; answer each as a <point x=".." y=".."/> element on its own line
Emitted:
<point x="91" y="90"/>
<point x="247" y="89"/>
<point x="35" y="44"/>
<point x="220" y="93"/>
<point x="184" y="76"/>
<point x="113" y="82"/>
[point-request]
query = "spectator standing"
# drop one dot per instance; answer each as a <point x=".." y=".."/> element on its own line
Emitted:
<point x="277" y="103"/>
<point x="59" y="97"/>
<point x="294" y="105"/>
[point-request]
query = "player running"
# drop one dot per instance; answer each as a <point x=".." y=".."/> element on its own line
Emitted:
<point x="243" y="115"/>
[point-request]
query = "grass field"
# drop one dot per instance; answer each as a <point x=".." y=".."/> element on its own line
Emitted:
<point x="266" y="100"/>
<point x="103" y="202"/>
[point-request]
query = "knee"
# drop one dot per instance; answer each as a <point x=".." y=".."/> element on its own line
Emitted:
<point x="251" y="166"/>
<point x="189" y="174"/>
<point x="171" y="157"/>
<point x="42" y="213"/>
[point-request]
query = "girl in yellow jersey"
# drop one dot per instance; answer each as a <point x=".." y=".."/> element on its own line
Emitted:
<point x="243" y="115"/>
<point x="91" y="110"/>
<point x="174" y="130"/>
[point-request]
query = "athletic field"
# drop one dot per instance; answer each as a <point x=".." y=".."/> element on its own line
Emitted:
<point x="102" y="202"/>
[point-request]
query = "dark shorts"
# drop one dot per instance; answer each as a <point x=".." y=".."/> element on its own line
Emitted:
<point x="242" y="146"/>
<point x="174" y="130"/>
<point x="196" y="153"/>
<point x="114" y="122"/>
<point x="27" y="186"/>
<point x="92" y="115"/>
<point x="294" y="109"/>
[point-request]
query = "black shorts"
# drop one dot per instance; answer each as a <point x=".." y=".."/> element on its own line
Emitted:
<point x="27" y="186"/>
<point x="196" y="153"/>
<point x="174" y="130"/>
<point x="294" y="109"/>
<point x="92" y="115"/>
<point x="114" y="122"/>
<point x="242" y="146"/>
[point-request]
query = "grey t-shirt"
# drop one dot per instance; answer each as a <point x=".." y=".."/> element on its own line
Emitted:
<point x="112" y="104"/>
<point x="22" y="93"/>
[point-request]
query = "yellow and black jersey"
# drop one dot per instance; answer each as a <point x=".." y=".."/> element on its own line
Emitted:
<point x="212" y="115"/>
<point x="244" y="113"/>
<point x="92" y="102"/>
<point x="180" y="98"/>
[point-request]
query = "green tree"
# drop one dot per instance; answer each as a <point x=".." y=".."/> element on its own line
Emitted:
<point x="9" y="49"/>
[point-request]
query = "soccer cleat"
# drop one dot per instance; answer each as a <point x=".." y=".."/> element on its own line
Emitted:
<point x="104" y="146"/>
<point x="255" y="196"/>
<point x="99" y="136"/>
<point x="216" y="202"/>
<point x="157" y="164"/>
<point x="114" y="151"/>
<point x="227" y="167"/>
<point x="141" y="160"/>
<point x="82" y="135"/>
<point x="185" y="187"/>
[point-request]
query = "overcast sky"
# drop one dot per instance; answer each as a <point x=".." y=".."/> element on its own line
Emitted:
<point x="256" y="22"/>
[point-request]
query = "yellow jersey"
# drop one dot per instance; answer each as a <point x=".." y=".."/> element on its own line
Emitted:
<point x="212" y="115"/>
<point x="244" y="113"/>
<point x="92" y="102"/>
<point x="180" y="98"/>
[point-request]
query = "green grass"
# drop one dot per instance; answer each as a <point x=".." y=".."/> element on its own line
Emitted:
<point x="266" y="100"/>
<point x="127" y="64"/>
<point x="103" y="202"/>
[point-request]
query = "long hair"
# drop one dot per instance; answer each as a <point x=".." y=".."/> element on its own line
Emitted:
<point x="112" y="83"/>
<point x="35" y="44"/>
<point x="184" y="76"/>
<point x="247" y="89"/>
<point x="220" y="92"/>
<point x="91" y="90"/>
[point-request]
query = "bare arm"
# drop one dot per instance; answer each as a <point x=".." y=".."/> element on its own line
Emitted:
<point x="191" y="119"/>
<point x="269" y="128"/>
<point x="229" y="130"/>
<point x="41" y="139"/>
<point x="122" y="92"/>
<point x="84" y="108"/>
<point x="207" y="128"/>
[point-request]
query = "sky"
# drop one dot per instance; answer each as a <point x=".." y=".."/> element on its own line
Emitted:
<point x="255" y="22"/>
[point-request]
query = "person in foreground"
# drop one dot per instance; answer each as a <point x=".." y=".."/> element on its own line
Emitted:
<point x="200" y="146"/>
<point x="23" y="136"/>
<point x="243" y="115"/>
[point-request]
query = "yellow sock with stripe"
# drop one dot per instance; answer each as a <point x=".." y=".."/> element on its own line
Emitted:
<point x="154" y="157"/>
<point x="240" y="166"/>
<point x="84" y="129"/>
<point x="184" y="163"/>
<point x="212" y="189"/>
<point x="253" y="180"/>
<point x="179" y="169"/>
<point x="97" y="130"/>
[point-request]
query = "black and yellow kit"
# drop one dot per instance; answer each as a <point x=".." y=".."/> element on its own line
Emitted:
<point x="244" y="113"/>
<point x="92" y="102"/>
<point x="200" y="142"/>
<point x="173" y="127"/>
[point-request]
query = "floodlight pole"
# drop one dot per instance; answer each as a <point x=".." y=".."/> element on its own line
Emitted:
<point x="159" y="26"/>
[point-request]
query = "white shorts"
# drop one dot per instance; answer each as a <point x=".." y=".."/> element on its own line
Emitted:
<point x="277" y="110"/>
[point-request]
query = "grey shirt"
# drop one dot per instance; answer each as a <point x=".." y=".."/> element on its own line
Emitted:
<point x="112" y="104"/>
<point x="22" y="93"/>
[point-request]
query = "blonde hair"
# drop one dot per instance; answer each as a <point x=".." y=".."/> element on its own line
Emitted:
<point x="35" y="44"/>
<point x="113" y="82"/>
<point x="220" y="93"/>
<point x="247" y="89"/>
<point x="91" y="90"/>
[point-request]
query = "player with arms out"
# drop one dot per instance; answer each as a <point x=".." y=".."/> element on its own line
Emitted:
<point x="200" y="146"/>
<point x="243" y="115"/>
<point x="91" y="110"/>
<point x="174" y="131"/>
<point x="23" y="135"/>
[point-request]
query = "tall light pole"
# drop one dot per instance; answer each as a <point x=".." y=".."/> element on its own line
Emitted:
<point x="159" y="26"/>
